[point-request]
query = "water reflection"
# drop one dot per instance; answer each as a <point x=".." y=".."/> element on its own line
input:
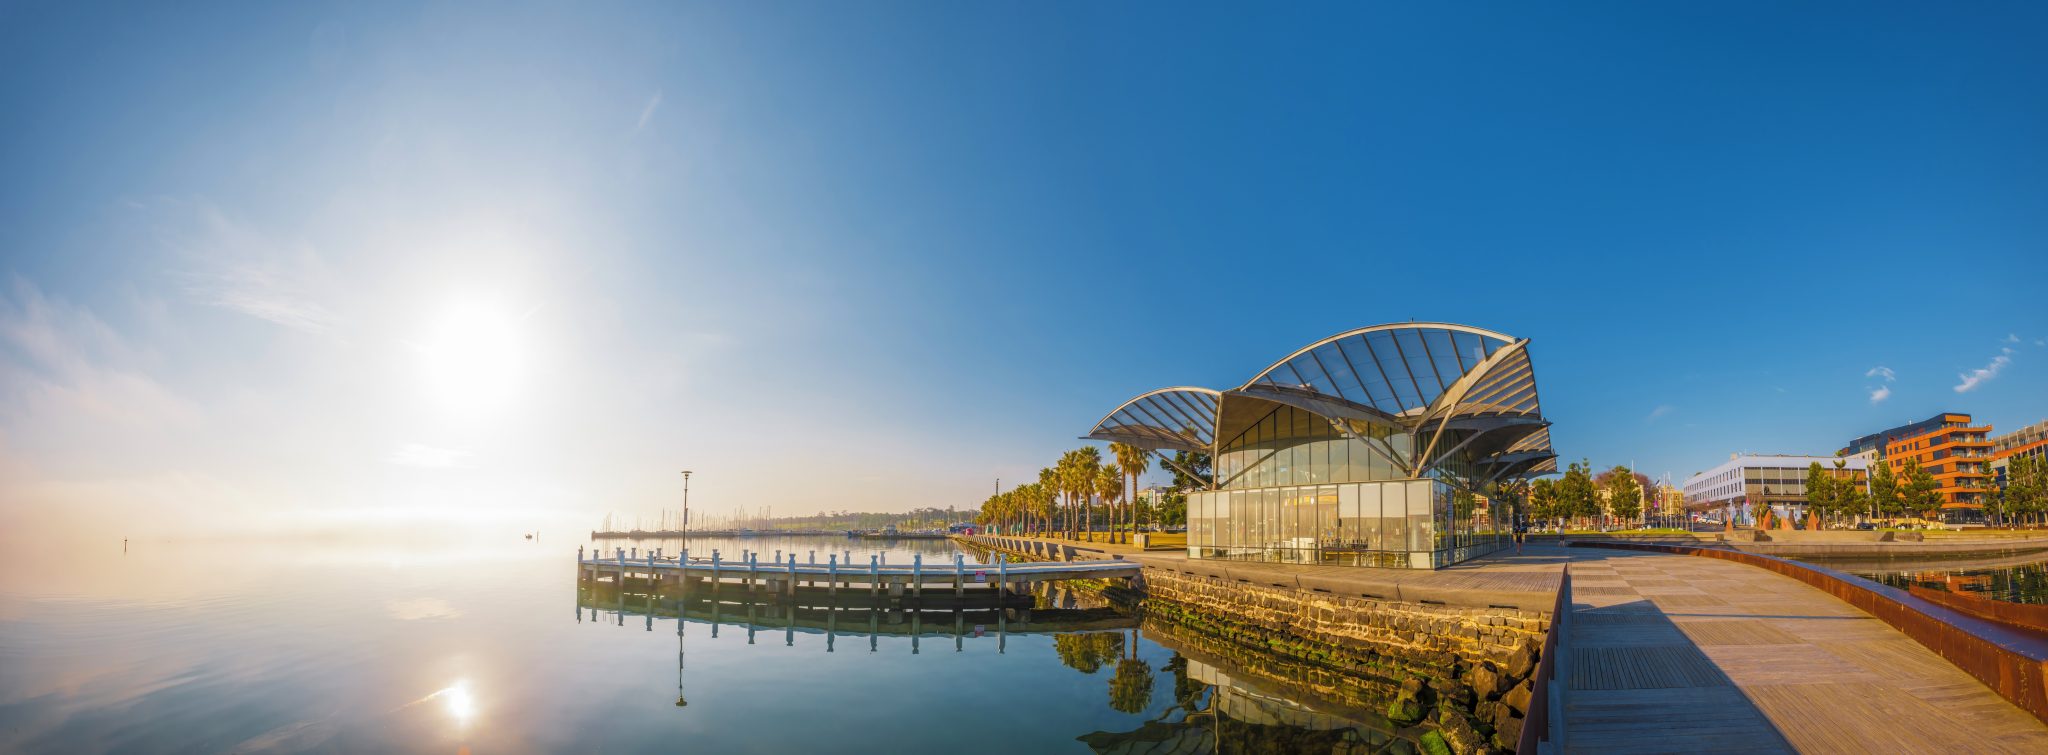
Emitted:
<point x="1178" y="692"/>
<point x="2016" y="578"/>
<point x="403" y="646"/>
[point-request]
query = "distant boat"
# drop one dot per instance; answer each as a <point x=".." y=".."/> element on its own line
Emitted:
<point x="529" y="536"/>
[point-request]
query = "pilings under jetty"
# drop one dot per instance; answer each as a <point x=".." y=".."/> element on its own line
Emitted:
<point x="788" y="583"/>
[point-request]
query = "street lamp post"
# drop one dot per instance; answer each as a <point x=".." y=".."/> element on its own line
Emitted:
<point x="686" y="502"/>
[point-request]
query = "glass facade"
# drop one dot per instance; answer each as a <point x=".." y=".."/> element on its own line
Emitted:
<point x="1419" y="524"/>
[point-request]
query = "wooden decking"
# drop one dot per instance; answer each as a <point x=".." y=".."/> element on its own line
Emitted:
<point x="1673" y="653"/>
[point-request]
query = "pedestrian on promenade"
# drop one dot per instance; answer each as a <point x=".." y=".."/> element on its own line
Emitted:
<point x="1521" y="530"/>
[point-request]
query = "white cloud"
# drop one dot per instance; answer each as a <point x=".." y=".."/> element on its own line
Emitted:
<point x="1658" y="413"/>
<point x="1976" y="377"/>
<point x="1880" y="371"/>
<point x="1880" y="393"/>
<point x="647" y="113"/>
<point x="427" y="457"/>
<point x="241" y="270"/>
<point x="2012" y="338"/>
<point x="2041" y="342"/>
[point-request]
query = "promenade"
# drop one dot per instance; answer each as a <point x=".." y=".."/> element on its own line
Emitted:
<point x="1673" y="653"/>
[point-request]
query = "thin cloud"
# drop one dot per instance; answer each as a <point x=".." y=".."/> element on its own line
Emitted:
<point x="1658" y="413"/>
<point x="647" y="113"/>
<point x="1880" y="393"/>
<point x="241" y="270"/>
<point x="427" y="457"/>
<point x="1881" y="371"/>
<point x="2012" y="338"/>
<point x="1978" y="376"/>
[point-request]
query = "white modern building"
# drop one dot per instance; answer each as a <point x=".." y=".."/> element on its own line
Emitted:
<point x="1771" y="480"/>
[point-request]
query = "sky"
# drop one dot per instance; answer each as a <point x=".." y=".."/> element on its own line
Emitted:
<point x="313" y="264"/>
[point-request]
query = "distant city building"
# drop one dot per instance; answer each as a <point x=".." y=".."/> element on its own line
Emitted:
<point x="1956" y="455"/>
<point x="2030" y="441"/>
<point x="1672" y="500"/>
<point x="1770" y="480"/>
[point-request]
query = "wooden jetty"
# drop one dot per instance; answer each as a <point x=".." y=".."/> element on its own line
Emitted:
<point x="785" y="573"/>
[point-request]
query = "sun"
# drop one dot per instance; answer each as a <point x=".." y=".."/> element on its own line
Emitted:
<point x="472" y="357"/>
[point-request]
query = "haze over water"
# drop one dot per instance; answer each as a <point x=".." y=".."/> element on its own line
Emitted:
<point x="427" y="643"/>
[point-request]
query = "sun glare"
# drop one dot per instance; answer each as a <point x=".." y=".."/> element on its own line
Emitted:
<point x="456" y="698"/>
<point x="472" y="356"/>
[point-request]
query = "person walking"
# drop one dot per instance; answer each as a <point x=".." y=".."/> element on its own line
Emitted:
<point x="1521" y="530"/>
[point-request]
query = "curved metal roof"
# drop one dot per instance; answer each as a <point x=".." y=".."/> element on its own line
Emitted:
<point x="1456" y="388"/>
<point x="1398" y="368"/>
<point x="1181" y="418"/>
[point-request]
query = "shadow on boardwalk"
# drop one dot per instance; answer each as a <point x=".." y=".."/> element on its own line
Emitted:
<point x="1638" y="684"/>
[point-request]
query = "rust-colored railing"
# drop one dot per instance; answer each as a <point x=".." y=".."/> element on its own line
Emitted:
<point x="2029" y="616"/>
<point x="1545" y="722"/>
<point x="2011" y="662"/>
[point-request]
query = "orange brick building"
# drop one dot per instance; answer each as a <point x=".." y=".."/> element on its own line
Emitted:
<point x="1956" y="454"/>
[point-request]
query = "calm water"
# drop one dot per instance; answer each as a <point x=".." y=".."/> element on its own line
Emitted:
<point x="2021" y="578"/>
<point x="332" y="646"/>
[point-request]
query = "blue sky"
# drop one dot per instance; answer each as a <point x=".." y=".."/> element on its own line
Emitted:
<point x="368" y="262"/>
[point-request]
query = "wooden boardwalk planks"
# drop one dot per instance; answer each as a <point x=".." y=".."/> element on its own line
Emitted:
<point x="1681" y="654"/>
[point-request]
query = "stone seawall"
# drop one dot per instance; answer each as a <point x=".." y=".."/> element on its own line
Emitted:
<point x="1419" y="634"/>
<point x="1459" y="673"/>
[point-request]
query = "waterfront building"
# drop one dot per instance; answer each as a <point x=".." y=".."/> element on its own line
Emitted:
<point x="1956" y="454"/>
<point x="2030" y="441"/>
<point x="1374" y="447"/>
<point x="1777" y="481"/>
<point x="1872" y="446"/>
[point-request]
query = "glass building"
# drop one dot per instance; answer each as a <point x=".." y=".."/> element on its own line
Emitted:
<point x="1373" y="447"/>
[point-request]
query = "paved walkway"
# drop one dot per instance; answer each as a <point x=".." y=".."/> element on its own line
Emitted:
<point x="1528" y="581"/>
<point x="1677" y="653"/>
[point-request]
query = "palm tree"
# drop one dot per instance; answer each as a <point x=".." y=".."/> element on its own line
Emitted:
<point x="1050" y="483"/>
<point x="1109" y="483"/>
<point x="1130" y="459"/>
<point x="1081" y="485"/>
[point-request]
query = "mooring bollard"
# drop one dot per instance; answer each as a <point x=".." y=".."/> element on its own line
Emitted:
<point x="959" y="575"/>
<point x="778" y="555"/>
<point x="789" y="587"/>
<point x="833" y="583"/>
<point x="874" y="576"/>
<point x="752" y="569"/>
<point x="636" y="553"/>
<point x="714" y="572"/>
<point x="917" y="576"/>
<point x="813" y="558"/>
<point x="1002" y="580"/>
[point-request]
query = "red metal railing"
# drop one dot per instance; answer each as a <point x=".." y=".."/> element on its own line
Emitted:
<point x="1544" y="724"/>
<point x="2011" y="662"/>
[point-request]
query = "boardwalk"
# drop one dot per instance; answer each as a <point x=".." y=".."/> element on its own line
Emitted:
<point x="1676" y="653"/>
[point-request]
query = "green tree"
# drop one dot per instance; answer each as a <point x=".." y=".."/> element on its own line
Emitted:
<point x="1920" y="490"/>
<point x="1821" y="495"/>
<point x="1173" y="509"/>
<point x="1576" y="496"/>
<point x="1624" y="494"/>
<point x="2026" y="487"/>
<point x="1109" y="486"/>
<point x="1884" y="490"/>
<point x="1131" y="459"/>
<point x="1543" y="500"/>
<point x="1184" y="462"/>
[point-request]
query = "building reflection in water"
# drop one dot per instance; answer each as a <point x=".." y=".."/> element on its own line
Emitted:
<point x="1221" y="699"/>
